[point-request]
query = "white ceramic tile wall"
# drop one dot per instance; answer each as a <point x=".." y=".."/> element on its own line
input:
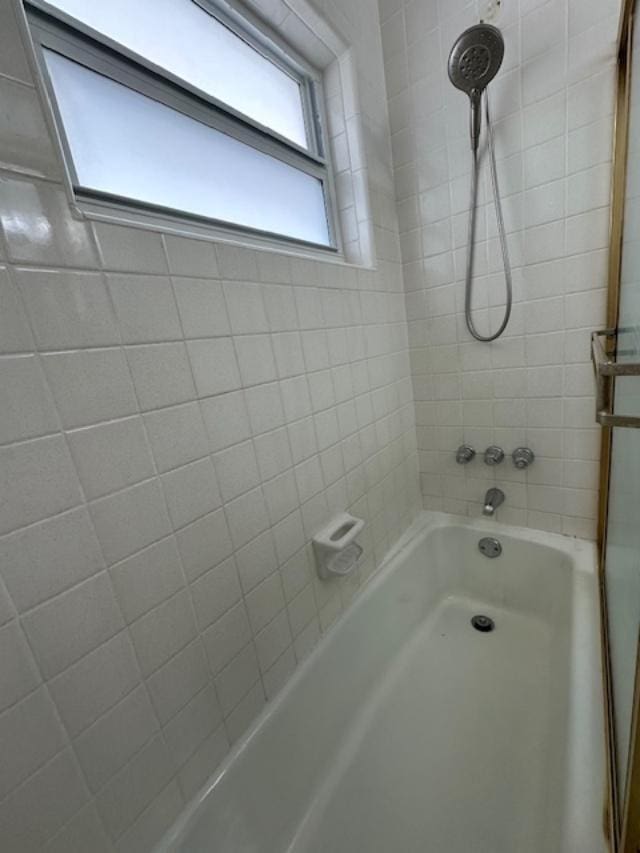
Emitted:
<point x="552" y="104"/>
<point x="177" y="419"/>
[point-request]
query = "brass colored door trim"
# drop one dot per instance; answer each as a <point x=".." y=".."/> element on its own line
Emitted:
<point x="630" y="833"/>
<point x="622" y="820"/>
<point x="618" y="192"/>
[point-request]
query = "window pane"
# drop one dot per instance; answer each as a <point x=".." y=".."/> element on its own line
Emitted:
<point x="132" y="146"/>
<point x="179" y="36"/>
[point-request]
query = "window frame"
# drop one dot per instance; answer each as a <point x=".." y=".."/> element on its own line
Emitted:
<point x="54" y="30"/>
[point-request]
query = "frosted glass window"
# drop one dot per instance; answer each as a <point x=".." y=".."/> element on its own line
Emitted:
<point x="182" y="38"/>
<point x="128" y="145"/>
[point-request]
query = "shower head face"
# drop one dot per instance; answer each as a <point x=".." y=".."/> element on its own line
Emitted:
<point x="475" y="58"/>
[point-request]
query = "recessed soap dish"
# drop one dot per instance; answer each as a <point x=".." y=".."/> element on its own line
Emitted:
<point x="345" y="561"/>
<point x="335" y="549"/>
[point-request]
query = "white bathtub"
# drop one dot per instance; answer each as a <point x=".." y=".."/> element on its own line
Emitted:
<point x="407" y="730"/>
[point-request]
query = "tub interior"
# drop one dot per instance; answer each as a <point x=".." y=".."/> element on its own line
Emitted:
<point x="454" y="749"/>
<point x="409" y="729"/>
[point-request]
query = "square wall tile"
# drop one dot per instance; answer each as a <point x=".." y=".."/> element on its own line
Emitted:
<point x="289" y="536"/>
<point x="96" y="683"/>
<point x="237" y="470"/>
<point x="227" y="637"/>
<point x="134" y="787"/>
<point x="177" y="435"/>
<point x="178" y="681"/>
<point x="287" y="348"/>
<point x="43" y="480"/>
<point x="30" y="735"/>
<point x="73" y="624"/>
<point x="26" y="407"/>
<point x="67" y="309"/>
<point x="214" y="366"/>
<point x="191" y="257"/>
<point x="280" y="306"/>
<point x="18" y="672"/>
<point x="265" y="407"/>
<point x="111" y="456"/>
<point x="247" y="516"/>
<point x="130" y="249"/>
<point x="237" y="262"/>
<point x="15" y="335"/>
<point x="226" y="419"/>
<point x="145" y="307"/>
<point x="199" y="767"/>
<point x="158" y="635"/>
<point x="128" y="521"/>
<point x="204" y="544"/>
<point x="90" y="386"/>
<point x="301" y="609"/>
<point x="192" y="725"/>
<point x="273" y="267"/>
<point x="105" y="747"/>
<point x="273" y="641"/>
<point x="298" y="411"/>
<point x="277" y="676"/>
<point x="43" y="805"/>
<point x="265" y="602"/>
<point x="13" y="62"/>
<point x="273" y="453"/>
<point x="281" y="495"/>
<point x="154" y="821"/>
<point x="202" y="308"/>
<point x="161" y="374"/>
<point x="7" y="610"/>
<point x="148" y="578"/>
<point x="215" y="592"/>
<point x="83" y="832"/>
<point x="256" y="561"/>
<point x="40" y="227"/>
<point x="245" y="712"/>
<point x="46" y="558"/>
<point x="191" y="491"/>
<point x="237" y="679"/>
<point x="255" y="359"/>
<point x="246" y="308"/>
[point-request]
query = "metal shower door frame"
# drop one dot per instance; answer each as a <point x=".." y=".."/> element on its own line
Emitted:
<point x="622" y="809"/>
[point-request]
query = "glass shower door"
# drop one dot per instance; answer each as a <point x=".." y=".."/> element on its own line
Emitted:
<point x="622" y="564"/>
<point x="619" y="403"/>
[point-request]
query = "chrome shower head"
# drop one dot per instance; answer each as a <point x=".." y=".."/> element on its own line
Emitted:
<point x="476" y="57"/>
<point x="474" y="61"/>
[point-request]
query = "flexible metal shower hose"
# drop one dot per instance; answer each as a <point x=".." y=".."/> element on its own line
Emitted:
<point x="472" y="236"/>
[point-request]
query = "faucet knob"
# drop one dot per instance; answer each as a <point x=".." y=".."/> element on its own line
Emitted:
<point x="493" y="455"/>
<point x="464" y="454"/>
<point x="523" y="457"/>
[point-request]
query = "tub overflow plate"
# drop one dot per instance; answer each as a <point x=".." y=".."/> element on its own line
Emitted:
<point x="490" y="547"/>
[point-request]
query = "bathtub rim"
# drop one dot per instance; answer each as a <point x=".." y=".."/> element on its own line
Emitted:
<point x="584" y="568"/>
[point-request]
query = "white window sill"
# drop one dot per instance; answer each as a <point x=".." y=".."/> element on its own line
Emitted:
<point x="117" y="214"/>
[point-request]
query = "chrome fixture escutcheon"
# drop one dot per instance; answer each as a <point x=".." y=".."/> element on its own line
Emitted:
<point x="523" y="457"/>
<point x="492" y="501"/>
<point x="493" y="455"/>
<point x="464" y="454"/>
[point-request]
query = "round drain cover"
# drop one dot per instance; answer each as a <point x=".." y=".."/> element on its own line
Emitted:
<point x="483" y="624"/>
